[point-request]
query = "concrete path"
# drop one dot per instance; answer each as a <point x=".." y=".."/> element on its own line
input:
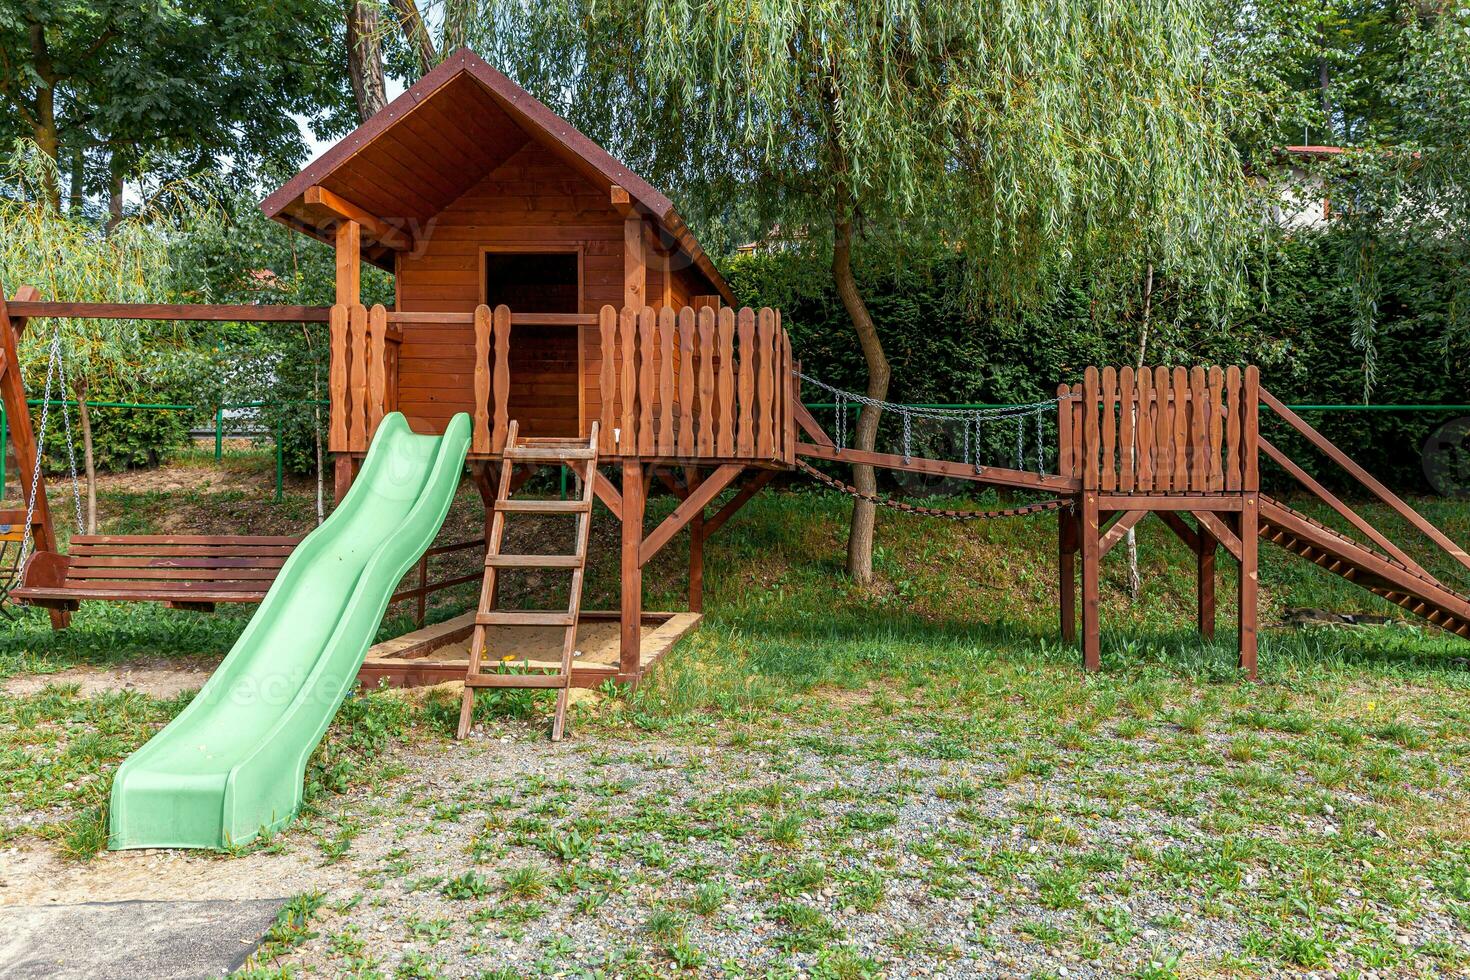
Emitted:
<point x="170" y="940"/>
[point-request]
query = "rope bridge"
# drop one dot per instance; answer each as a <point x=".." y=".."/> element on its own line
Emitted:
<point x="1026" y="417"/>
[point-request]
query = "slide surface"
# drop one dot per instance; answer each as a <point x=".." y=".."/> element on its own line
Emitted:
<point x="230" y="766"/>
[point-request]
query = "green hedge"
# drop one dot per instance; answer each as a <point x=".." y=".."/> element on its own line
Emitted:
<point x="1295" y="322"/>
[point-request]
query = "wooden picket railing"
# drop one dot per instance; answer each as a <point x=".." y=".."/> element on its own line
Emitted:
<point x="696" y="384"/>
<point x="363" y="376"/>
<point x="1161" y="430"/>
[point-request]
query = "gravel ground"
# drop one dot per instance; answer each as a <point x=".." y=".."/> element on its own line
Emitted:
<point x="811" y="855"/>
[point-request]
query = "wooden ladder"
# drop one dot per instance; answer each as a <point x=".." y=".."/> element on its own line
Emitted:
<point x="581" y="456"/>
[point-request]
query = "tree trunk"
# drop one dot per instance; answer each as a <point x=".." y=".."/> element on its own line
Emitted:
<point x="43" y="129"/>
<point x="865" y="434"/>
<point x="365" y="58"/>
<point x="76" y="197"/>
<point x="84" y="419"/>
<point x="416" y="33"/>
<point x="1135" y="578"/>
<point x="114" y="198"/>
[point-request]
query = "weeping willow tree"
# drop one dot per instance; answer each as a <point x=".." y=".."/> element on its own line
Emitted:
<point x="70" y="259"/>
<point x="1033" y="136"/>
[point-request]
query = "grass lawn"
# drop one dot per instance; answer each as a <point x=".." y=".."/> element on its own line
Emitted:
<point x="829" y="781"/>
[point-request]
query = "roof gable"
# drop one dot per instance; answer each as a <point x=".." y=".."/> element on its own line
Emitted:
<point x="436" y="141"/>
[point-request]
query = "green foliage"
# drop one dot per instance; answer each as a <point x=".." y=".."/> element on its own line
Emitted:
<point x="116" y="88"/>
<point x="1295" y="321"/>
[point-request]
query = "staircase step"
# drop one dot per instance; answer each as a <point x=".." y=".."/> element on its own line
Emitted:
<point x="516" y="680"/>
<point x="542" y="506"/>
<point x="534" y="561"/>
<point x="547" y="454"/>
<point x="525" y="617"/>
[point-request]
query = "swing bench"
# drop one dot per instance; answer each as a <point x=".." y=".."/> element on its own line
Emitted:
<point x="191" y="571"/>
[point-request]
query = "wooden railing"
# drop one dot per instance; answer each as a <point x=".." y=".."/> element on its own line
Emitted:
<point x="363" y="377"/>
<point x="696" y="384"/>
<point x="1161" y="430"/>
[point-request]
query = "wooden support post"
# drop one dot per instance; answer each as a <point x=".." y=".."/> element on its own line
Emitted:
<point x="1091" y="547"/>
<point x="1249" y="582"/>
<point x="1204" y="560"/>
<point x="348" y="243"/>
<point x="635" y="264"/>
<point x="630" y="643"/>
<point x="344" y="471"/>
<point x="349" y="262"/>
<point x="23" y="437"/>
<point x="696" y="547"/>
<point x="1067" y="573"/>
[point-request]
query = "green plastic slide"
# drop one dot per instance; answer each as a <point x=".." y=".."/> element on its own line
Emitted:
<point x="230" y="766"/>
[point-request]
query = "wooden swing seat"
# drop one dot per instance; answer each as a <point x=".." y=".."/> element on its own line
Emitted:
<point x="192" y="571"/>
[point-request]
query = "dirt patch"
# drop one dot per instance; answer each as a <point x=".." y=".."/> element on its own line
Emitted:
<point x="36" y="877"/>
<point x="157" y="677"/>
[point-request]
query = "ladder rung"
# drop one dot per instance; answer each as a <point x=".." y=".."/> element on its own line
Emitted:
<point x="543" y="506"/>
<point x="524" y="617"/>
<point x="533" y="561"/>
<point x="548" y="454"/>
<point x="516" y="680"/>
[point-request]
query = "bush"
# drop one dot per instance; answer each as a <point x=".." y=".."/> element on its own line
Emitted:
<point x="1295" y="322"/>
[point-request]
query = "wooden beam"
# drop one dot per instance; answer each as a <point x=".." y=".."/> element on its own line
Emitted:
<point x="1212" y="527"/>
<point x="693" y="504"/>
<point x="1250" y="582"/>
<point x="1306" y="480"/>
<point x="349" y="262"/>
<point x="1119" y="528"/>
<point x="381" y="231"/>
<point x="1089" y="539"/>
<point x="23" y="438"/>
<point x="1067" y="574"/>
<point x="1204" y="566"/>
<point x="631" y="601"/>
<point x="622" y="201"/>
<point x="809" y="425"/>
<point x="635" y="264"/>
<point x="1181" y="529"/>
<point x="696" y="545"/>
<point x="1382" y="492"/>
<point x="608" y="494"/>
<point x="992" y="475"/>
<point x="751" y="488"/>
<point x="172" y="311"/>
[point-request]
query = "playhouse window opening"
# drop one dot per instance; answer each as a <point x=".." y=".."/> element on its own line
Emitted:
<point x="532" y="282"/>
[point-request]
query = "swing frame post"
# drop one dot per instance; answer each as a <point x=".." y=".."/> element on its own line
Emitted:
<point x="44" y="563"/>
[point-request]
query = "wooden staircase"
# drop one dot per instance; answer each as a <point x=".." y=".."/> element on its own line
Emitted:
<point x="1413" y="590"/>
<point x="581" y="456"/>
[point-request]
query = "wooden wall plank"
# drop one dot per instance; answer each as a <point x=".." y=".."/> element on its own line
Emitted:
<point x="1179" y="394"/>
<point x="647" y="348"/>
<point x="337" y="379"/>
<point x="687" y="331"/>
<point x="1216" y="429"/>
<point x="377" y="367"/>
<point x="1144" y="436"/>
<point x="1127" y="419"/>
<point x="501" y="384"/>
<point x="706" y="321"/>
<point x="357" y="378"/>
<point x="764" y="383"/>
<point x="745" y="327"/>
<point x="667" y="327"/>
<point x="1108" y="398"/>
<point x="1091" y="460"/>
<point x="725" y="436"/>
<point x="1232" y="428"/>
<point x="607" y="331"/>
<point x="627" y="331"/>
